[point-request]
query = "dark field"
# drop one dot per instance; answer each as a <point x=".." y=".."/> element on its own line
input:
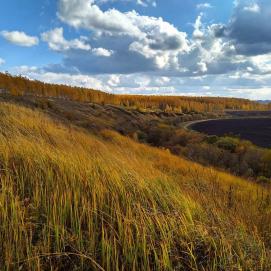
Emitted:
<point x="256" y="130"/>
<point x="252" y="113"/>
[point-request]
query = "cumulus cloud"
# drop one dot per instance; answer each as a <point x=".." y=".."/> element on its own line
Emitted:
<point x="2" y="61"/>
<point x="126" y="52"/>
<point x="86" y="14"/>
<point x="198" y="33"/>
<point x="19" y="38"/>
<point x="255" y="8"/>
<point x="132" y="41"/>
<point x="127" y="42"/>
<point x="250" y="27"/>
<point x="151" y="36"/>
<point x="102" y="52"/>
<point x="57" y="42"/>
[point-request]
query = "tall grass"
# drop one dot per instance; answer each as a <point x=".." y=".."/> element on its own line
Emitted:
<point x="70" y="200"/>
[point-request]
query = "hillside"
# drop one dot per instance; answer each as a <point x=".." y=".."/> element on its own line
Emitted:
<point x="162" y="129"/>
<point x="72" y="198"/>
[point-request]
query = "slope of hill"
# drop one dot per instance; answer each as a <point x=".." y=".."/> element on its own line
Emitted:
<point x="161" y="129"/>
<point x="72" y="199"/>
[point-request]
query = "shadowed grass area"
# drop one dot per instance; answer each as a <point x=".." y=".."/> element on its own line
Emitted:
<point x="70" y="200"/>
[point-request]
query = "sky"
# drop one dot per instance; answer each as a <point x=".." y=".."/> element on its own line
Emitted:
<point x="173" y="47"/>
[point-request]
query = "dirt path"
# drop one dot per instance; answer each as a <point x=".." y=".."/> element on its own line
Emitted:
<point x="186" y="125"/>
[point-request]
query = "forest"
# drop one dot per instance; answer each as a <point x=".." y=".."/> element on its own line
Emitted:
<point x="18" y="85"/>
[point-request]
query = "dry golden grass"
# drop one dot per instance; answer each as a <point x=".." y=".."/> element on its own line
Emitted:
<point x="70" y="200"/>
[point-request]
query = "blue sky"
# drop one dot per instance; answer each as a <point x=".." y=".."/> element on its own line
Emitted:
<point x="174" y="47"/>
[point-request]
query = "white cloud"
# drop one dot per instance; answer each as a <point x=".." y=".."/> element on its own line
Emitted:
<point x="127" y="42"/>
<point x="262" y="63"/>
<point x="102" y="52"/>
<point x="254" y="8"/>
<point x="126" y="52"/>
<point x="24" y="69"/>
<point x="198" y="33"/>
<point x="61" y="78"/>
<point x="204" y="5"/>
<point x="154" y="4"/>
<point x="202" y="66"/>
<point x="149" y="39"/>
<point x="226" y="85"/>
<point x="20" y="38"/>
<point x="114" y="80"/>
<point x="57" y="42"/>
<point x="85" y="14"/>
<point x="261" y="93"/>
<point x="140" y="2"/>
<point x="249" y="27"/>
<point x="2" y="61"/>
<point x="144" y="3"/>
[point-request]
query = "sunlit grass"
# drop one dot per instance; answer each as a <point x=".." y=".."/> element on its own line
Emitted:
<point x="71" y="200"/>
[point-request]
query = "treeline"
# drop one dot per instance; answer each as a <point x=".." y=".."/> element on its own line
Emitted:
<point x="18" y="85"/>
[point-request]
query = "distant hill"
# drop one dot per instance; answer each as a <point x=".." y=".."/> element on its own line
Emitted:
<point x="264" y="101"/>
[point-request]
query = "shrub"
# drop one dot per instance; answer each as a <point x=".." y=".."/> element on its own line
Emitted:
<point x="212" y="139"/>
<point x="227" y="143"/>
<point x="263" y="180"/>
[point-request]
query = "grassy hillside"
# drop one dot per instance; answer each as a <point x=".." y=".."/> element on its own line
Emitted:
<point x="163" y="130"/>
<point x="71" y="200"/>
